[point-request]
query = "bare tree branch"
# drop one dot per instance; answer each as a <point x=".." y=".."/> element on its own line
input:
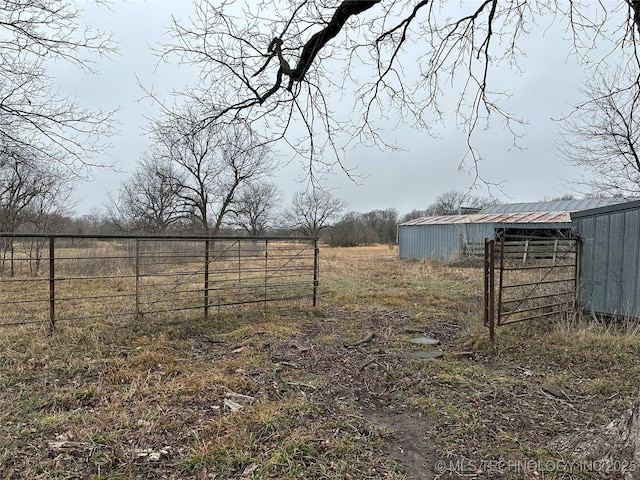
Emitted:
<point x="33" y="113"/>
<point x="602" y="136"/>
<point x="281" y="65"/>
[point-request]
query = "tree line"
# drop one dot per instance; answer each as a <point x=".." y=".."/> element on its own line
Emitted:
<point x="165" y="197"/>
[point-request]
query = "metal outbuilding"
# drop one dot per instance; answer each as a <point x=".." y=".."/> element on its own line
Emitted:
<point x="445" y="237"/>
<point x="609" y="280"/>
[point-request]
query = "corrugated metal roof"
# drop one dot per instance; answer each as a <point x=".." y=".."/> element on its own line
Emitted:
<point x="439" y="220"/>
<point x="603" y="210"/>
<point x="555" y="206"/>
<point x="520" y="217"/>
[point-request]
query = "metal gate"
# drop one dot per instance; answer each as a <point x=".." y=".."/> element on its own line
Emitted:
<point x="54" y="278"/>
<point x="527" y="278"/>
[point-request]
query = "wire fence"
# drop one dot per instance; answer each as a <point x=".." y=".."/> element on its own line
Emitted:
<point x="54" y="278"/>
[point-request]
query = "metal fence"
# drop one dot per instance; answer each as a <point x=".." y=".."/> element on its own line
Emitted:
<point x="529" y="278"/>
<point x="53" y="278"/>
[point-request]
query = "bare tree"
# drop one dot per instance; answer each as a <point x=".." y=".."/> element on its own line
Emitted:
<point x="93" y="222"/>
<point x="277" y="64"/>
<point x="212" y="163"/>
<point x="454" y="202"/>
<point x="413" y="214"/>
<point x="150" y="199"/>
<point x="254" y="208"/>
<point x="313" y="211"/>
<point x="602" y="136"/>
<point x="356" y="228"/>
<point x="47" y="213"/>
<point x="384" y="223"/>
<point x="33" y="114"/>
<point x="32" y="193"/>
<point x="24" y="182"/>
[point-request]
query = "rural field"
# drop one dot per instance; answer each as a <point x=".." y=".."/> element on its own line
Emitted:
<point x="334" y="392"/>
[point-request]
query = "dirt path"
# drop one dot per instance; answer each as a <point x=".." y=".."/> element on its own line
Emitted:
<point x="368" y="374"/>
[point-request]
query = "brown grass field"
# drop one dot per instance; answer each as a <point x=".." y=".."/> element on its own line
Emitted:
<point x="328" y="393"/>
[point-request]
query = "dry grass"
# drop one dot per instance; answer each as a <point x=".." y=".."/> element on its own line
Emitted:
<point x="289" y="393"/>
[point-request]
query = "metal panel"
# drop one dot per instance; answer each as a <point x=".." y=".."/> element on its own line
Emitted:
<point x="477" y="232"/>
<point x="600" y="261"/>
<point x="618" y="207"/>
<point x="586" y="229"/>
<point x="631" y="256"/>
<point x="610" y="269"/>
<point x="433" y="241"/>
<point x="613" y="277"/>
<point x="439" y="241"/>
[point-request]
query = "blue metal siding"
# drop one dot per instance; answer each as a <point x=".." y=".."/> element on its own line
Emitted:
<point x="427" y="241"/>
<point x="615" y="249"/>
<point x="439" y="241"/>
<point x="631" y="256"/>
<point x="477" y="232"/>
<point x="610" y="269"/>
<point x="601" y="260"/>
<point x="586" y="230"/>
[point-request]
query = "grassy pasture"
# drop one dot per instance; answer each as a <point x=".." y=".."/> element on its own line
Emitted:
<point x="331" y="392"/>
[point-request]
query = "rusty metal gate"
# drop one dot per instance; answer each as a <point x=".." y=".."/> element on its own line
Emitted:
<point x="527" y="278"/>
<point x="54" y="278"/>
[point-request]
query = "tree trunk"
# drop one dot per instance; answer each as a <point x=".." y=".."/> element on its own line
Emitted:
<point x="613" y="449"/>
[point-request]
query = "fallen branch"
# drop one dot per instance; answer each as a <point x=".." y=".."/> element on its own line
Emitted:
<point x="69" y="445"/>
<point x="300" y="384"/>
<point x="232" y="406"/>
<point x="557" y="392"/>
<point x="367" y="338"/>
<point x="231" y="394"/>
<point x="367" y="363"/>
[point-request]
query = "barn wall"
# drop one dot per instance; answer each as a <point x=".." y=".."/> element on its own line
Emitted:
<point x="427" y="241"/>
<point x="610" y="268"/>
<point x="439" y="241"/>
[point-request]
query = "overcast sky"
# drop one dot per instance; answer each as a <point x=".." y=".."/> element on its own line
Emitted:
<point x="408" y="179"/>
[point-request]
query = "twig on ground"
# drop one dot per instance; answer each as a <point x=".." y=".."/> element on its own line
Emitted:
<point x="367" y="338"/>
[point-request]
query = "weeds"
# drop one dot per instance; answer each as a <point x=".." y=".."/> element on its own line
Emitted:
<point x="286" y="394"/>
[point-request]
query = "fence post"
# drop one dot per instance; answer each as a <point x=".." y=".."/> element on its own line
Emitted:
<point x="489" y="287"/>
<point x="501" y="276"/>
<point x="137" y="266"/>
<point x="12" y="252"/>
<point x="526" y="249"/>
<point x="206" y="279"/>
<point x="577" y="274"/>
<point x="266" y="271"/>
<point x="52" y="284"/>
<point x="316" y="271"/>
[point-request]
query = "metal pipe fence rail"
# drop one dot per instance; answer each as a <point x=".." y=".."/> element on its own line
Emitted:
<point x="54" y="278"/>
<point x="529" y="278"/>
